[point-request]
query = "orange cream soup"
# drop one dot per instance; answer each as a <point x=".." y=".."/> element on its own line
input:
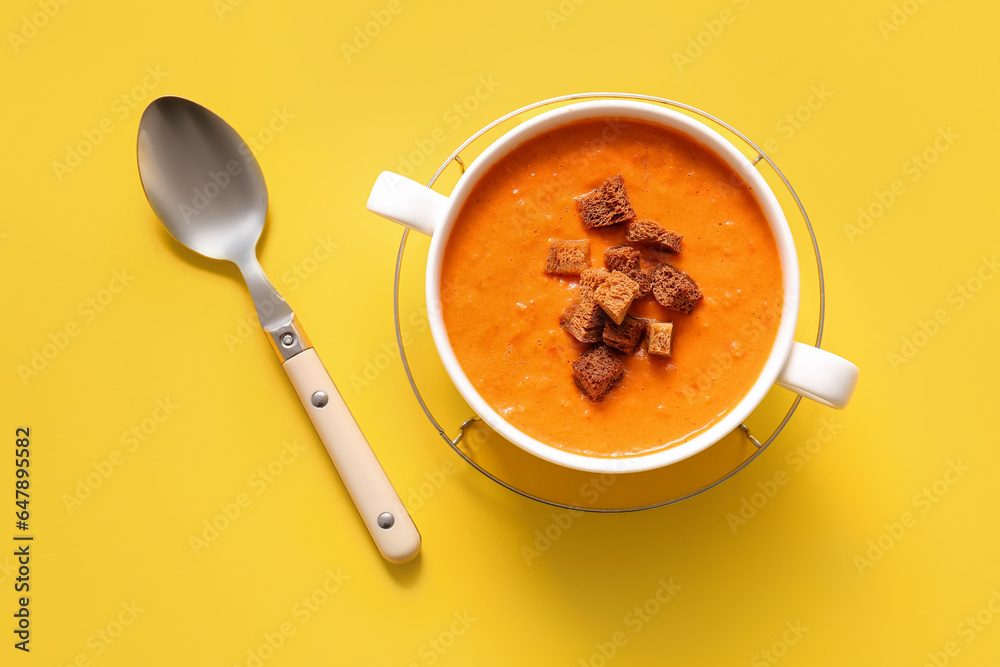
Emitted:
<point x="501" y="310"/>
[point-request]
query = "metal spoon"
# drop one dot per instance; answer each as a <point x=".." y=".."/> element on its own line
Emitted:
<point x="208" y="191"/>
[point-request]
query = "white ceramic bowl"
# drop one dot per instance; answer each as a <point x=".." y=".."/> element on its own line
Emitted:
<point x="807" y="370"/>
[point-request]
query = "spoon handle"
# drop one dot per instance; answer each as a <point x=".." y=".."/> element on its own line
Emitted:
<point x="383" y="512"/>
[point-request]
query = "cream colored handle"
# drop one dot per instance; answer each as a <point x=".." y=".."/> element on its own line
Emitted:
<point x="381" y="509"/>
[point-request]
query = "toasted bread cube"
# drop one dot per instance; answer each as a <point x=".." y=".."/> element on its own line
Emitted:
<point x="620" y="257"/>
<point x="597" y="371"/>
<point x="584" y="320"/>
<point x="659" y="338"/>
<point x="591" y="279"/>
<point x="625" y="258"/>
<point x="654" y="234"/>
<point x="567" y="315"/>
<point x="567" y="257"/>
<point x="626" y="336"/>
<point x="616" y="294"/>
<point x="607" y="205"/>
<point x="674" y="289"/>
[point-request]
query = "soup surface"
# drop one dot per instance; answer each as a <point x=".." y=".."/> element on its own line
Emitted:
<point x="502" y="311"/>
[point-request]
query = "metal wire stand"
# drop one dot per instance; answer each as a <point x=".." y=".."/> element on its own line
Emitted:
<point x="759" y="445"/>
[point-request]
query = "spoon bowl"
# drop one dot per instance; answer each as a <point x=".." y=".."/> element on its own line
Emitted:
<point x="201" y="179"/>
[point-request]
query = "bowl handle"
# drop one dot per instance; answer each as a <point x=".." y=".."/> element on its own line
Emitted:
<point x="407" y="202"/>
<point x="820" y="375"/>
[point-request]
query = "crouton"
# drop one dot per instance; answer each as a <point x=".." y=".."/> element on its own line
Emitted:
<point x="660" y="338"/>
<point x="625" y="258"/>
<point x="597" y="371"/>
<point x="616" y="294"/>
<point x="584" y="320"/>
<point x="652" y="233"/>
<point x="567" y="257"/>
<point x="591" y="279"/>
<point x="607" y="205"/>
<point x="674" y="289"/>
<point x="567" y="315"/>
<point x="626" y="336"/>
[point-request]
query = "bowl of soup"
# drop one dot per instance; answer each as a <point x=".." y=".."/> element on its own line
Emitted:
<point x="497" y="314"/>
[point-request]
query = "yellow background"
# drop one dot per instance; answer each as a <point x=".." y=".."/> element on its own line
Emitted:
<point x="474" y="597"/>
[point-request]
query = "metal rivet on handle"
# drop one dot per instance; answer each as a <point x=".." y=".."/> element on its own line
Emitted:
<point x="287" y="339"/>
<point x="319" y="399"/>
<point x="385" y="520"/>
